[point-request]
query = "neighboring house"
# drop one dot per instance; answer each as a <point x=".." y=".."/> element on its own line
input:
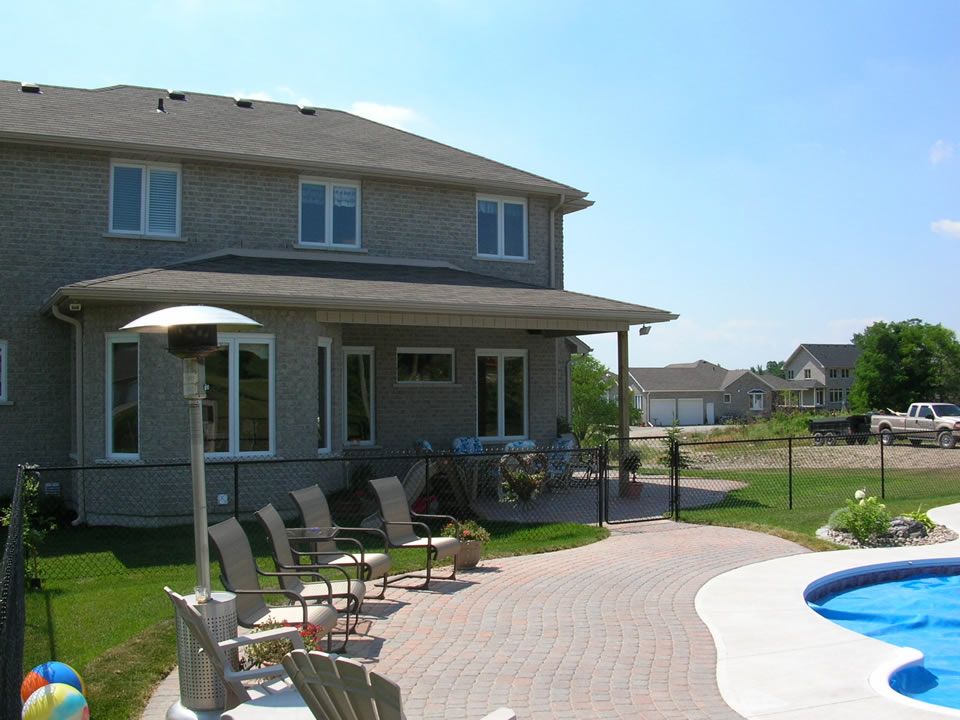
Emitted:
<point x="700" y="393"/>
<point x="407" y="290"/>
<point x="819" y="376"/>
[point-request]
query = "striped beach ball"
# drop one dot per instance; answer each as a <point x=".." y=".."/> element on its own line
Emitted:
<point x="50" y="672"/>
<point x="56" y="701"/>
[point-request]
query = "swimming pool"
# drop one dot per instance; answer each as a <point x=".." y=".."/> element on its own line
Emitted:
<point x="913" y="604"/>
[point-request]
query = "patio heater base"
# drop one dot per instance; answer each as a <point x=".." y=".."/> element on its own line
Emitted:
<point x="178" y="712"/>
<point x="201" y="688"/>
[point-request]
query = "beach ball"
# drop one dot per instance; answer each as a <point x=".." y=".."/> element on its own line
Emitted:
<point x="50" y="672"/>
<point x="56" y="701"/>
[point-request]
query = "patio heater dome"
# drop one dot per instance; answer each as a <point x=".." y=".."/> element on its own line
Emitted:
<point x="191" y="329"/>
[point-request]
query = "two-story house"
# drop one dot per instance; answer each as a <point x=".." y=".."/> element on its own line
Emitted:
<point x="406" y="289"/>
<point x="819" y="376"/>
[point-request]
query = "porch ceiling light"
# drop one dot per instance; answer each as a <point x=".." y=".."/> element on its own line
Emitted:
<point x="192" y="335"/>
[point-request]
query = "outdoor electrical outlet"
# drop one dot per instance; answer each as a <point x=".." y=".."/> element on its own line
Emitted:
<point x="222" y="499"/>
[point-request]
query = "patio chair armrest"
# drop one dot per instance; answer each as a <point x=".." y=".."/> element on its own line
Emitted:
<point x="375" y="531"/>
<point x="290" y="633"/>
<point x="310" y="570"/>
<point x="421" y="525"/>
<point x="287" y="573"/>
<point x="312" y="533"/>
<point x="450" y="518"/>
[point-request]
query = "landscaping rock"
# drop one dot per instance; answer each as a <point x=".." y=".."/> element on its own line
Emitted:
<point x="939" y="534"/>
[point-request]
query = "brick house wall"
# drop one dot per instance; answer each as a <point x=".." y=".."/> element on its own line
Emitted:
<point x="55" y="205"/>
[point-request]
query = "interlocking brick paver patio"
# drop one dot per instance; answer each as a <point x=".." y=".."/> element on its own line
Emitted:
<point x="604" y="631"/>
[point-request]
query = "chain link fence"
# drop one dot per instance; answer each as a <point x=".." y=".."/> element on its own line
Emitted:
<point x="12" y="608"/>
<point x="139" y="516"/>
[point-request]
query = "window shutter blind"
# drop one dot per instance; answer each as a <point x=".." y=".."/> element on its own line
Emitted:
<point x="127" y="198"/>
<point x="163" y="202"/>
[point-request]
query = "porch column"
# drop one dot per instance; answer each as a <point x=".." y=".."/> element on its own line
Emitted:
<point x="623" y="375"/>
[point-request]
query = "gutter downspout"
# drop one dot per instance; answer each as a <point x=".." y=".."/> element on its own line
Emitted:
<point x="78" y="404"/>
<point x="553" y="240"/>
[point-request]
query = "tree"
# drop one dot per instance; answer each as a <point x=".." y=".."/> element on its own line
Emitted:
<point x="774" y="367"/>
<point x="904" y="362"/>
<point x="594" y="413"/>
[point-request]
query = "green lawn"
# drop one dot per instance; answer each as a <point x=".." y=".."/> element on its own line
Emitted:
<point x="117" y="630"/>
<point x="765" y="501"/>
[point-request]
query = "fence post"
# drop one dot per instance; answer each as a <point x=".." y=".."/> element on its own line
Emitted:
<point x="602" y="455"/>
<point x="675" y="477"/>
<point x="236" y="491"/>
<point x="790" y="470"/>
<point x="883" y="483"/>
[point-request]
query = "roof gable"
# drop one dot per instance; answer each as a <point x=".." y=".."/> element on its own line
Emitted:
<point x="829" y="355"/>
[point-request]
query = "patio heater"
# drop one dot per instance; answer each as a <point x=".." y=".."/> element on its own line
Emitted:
<point x="192" y="335"/>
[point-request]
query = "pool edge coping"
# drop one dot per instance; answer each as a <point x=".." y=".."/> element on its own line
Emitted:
<point x="771" y="646"/>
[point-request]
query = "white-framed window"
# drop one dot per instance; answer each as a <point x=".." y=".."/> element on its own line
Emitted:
<point x="145" y="199"/>
<point x="324" y="346"/>
<point x="4" y="391"/>
<point x="358" y="391"/>
<point x="806" y="373"/>
<point x="501" y="227"/>
<point x="789" y="374"/>
<point x="123" y="395"/>
<point x="425" y="365"/>
<point x="239" y="412"/>
<point x="833" y="372"/>
<point x="502" y="394"/>
<point x="756" y="399"/>
<point x="818" y="395"/>
<point x="844" y="372"/>
<point x="329" y="213"/>
<point x="836" y="395"/>
<point x="727" y="398"/>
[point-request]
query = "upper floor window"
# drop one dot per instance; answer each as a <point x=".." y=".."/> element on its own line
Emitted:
<point x="329" y="212"/>
<point x="123" y="396"/>
<point x="833" y="372"/>
<point x="806" y="373"/>
<point x="789" y="374"/>
<point x="502" y="227"/>
<point x="145" y="199"/>
<point x="3" y="371"/>
<point x="844" y="372"/>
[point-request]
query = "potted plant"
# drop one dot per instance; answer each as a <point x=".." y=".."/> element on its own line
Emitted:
<point x="472" y="536"/>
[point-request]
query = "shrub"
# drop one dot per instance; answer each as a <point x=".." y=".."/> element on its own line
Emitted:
<point x="272" y="651"/>
<point x="863" y="517"/>
<point x="922" y="517"/>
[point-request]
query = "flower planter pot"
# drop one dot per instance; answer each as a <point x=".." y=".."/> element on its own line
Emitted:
<point x="470" y="553"/>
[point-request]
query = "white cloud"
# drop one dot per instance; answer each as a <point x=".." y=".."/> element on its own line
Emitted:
<point x="398" y="117"/>
<point x="941" y="152"/>
<point x="946" y="227"/>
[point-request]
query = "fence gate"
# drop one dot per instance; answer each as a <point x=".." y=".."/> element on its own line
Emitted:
<point x="639" y="479"/>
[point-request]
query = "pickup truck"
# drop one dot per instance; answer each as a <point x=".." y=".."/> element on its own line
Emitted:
<point x="922" y="421"/>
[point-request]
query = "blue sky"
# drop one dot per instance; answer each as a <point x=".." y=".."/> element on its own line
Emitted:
<point x="775" y="173"/>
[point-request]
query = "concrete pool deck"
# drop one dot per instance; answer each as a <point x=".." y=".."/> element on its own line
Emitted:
<point x="779" y="660"/>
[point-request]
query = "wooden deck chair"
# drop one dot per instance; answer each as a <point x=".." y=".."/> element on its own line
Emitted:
<point x="286" y="561"/>
<point x="240" y="575"/>
<point x="401" y="528"/>
<point x="315" y="519"/>
<point x="338" y="688"/>
<point x="217" y="653"/>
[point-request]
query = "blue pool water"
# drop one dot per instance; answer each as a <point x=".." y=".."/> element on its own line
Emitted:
<point x="922" y="612"/>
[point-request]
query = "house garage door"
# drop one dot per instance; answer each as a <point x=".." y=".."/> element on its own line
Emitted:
<point x="690" y="411"/>
<point x="662" y="412"/>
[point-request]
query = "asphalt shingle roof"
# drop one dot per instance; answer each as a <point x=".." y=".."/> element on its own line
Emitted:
<point x="834" y="355"/>
<point x="124" y="117"/>
<point x="327" y="284"/>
